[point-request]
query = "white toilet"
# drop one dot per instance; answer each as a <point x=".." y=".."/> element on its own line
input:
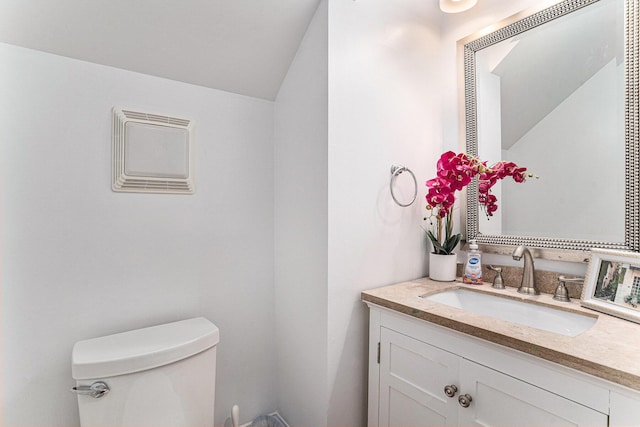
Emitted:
<point x="159" y="376"/>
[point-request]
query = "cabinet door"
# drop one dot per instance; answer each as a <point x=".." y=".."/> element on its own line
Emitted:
<point x="625" y="410"/>
<point x="499" y="400"/>
<point x="413" y="376"/>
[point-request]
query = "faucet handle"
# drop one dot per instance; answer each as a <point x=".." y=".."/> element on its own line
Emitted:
<point x="562" y="293"/>
<point x="498" y="282"/>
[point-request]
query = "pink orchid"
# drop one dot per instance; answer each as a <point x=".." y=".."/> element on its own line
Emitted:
<point x="437" y="183"/>
<point x="456" y="171"/>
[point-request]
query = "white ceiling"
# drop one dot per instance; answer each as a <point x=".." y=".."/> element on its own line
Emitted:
<point x="240" y="46"/>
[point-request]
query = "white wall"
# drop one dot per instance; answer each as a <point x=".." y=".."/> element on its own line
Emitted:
<point x="581" y="138"/>
<point x="489" y="114"/>
<point x="337" y="229"/>
<point x="80" y="261"/>
<point x="300" y="169"/>
<point x="384" y="108"/>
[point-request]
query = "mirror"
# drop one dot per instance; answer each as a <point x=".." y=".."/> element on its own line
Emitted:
<point x="556" y="91"/>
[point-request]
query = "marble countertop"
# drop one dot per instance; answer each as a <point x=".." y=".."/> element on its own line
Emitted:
<point x="610" y="349"/>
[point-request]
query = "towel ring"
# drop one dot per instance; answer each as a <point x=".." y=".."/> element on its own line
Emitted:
<point x="396" y="170"/>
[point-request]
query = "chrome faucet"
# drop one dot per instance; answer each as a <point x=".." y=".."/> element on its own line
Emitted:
<point x="528" y="284"/>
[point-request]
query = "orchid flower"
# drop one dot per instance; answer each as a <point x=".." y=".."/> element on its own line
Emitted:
<point x="454" y="172"/>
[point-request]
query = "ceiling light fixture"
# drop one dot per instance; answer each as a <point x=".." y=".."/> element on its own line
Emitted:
<point x="455" y="6"/>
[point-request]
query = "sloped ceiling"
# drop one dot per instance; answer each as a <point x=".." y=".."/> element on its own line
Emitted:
<point x="555" y="60"/>
<point x="240" y="46"/>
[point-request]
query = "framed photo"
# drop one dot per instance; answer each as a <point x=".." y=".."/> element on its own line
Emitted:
<point x="612" y="284"/>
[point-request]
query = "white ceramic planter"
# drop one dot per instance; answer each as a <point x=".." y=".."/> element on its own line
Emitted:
<point x="442" y="268"/>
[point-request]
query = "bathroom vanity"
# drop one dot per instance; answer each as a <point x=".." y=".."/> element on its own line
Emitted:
<point x="431" y="364"/>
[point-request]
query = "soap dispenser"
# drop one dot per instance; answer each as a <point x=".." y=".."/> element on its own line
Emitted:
<point x="473" y="266"/>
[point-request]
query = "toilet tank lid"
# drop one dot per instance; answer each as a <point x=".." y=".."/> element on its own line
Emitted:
<point x="141" y="349"/>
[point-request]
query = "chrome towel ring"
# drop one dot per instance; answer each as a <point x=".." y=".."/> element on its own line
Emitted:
<point x="396" y="170"/>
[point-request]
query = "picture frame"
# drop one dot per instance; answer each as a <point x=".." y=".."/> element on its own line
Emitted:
<point x="612" y="283"/>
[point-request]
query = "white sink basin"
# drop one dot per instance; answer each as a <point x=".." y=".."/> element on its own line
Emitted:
<point x="516" y="311"/>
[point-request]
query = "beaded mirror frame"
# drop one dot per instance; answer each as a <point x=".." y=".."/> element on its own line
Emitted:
<point x="556" y="248"/>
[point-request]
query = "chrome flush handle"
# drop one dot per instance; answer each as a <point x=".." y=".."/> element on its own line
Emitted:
<point x="95" y="390"/>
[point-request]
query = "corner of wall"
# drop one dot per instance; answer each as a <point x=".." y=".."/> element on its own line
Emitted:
<point x="300" y="179"/>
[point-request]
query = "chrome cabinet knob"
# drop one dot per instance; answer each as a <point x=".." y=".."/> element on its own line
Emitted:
<point x="464" y="400"/>
<point x="450" y="390"/>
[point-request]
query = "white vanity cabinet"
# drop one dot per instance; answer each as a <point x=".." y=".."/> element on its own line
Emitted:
<point x="421" y="374"/>
<point x="625" y="410"/>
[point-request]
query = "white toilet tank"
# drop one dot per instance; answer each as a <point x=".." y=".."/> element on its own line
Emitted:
<point x="159" y="376"/>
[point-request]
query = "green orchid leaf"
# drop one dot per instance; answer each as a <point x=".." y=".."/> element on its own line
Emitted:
<point x="445" y="248"/>
<point x="437" y="247"/>
<point x="451" y="243"/>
